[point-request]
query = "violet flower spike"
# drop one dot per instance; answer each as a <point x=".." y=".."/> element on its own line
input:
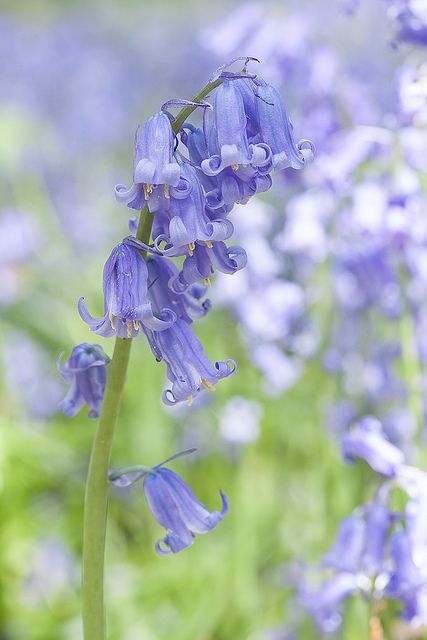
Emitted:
<point x="126" y="304"/>
<point x="177" y="509"/>
<point x="86" y="373"/>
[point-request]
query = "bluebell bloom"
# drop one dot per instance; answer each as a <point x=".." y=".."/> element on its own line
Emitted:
<point x="377" y="525"/>
<point x="232" y="146"/>
<point x="324" y="604"/>
<point x="186" y="304"/>
<point x="204" y="261"/>
<point x="86" y="373"/>
<point x="184" y="222"/>
<point x="154" y="162"/>
<point x="346" y="552"/>
<point x="188" y="368"/>
<point x="126" y="304"/>
<point x="367" y="440"/>
<point x="177" y="509"/>
<point x="275" y="129"/>
<point x="230" y="186"/>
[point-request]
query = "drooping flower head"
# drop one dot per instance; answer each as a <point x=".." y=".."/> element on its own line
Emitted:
<point x="155" y="164"/>
<point x="275" y="129"/>
<point x="177" y="509"/>
<point x="126" y="304"/>
<point x="173" y="504"/>
<point x="188" y="367"/>
<point x="368" y="441"/>
<point x="188" y="304"/>
<point x="86" y="373"/>
<point x="184" y="221"/>
<point x="232" y="146"/>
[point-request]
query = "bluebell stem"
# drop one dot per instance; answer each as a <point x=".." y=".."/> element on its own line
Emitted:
<point x="126" y="304"/>
<point x="86" y="373"/>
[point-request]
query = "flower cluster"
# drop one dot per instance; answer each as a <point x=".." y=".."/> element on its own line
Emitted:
<point x="189" y="178"/>
<point x="186" y="181"/>
<point x="379" y="551"/>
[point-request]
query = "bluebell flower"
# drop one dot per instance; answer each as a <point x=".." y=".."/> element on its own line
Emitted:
<point x="126" y="304"/>
<point x="367" y="440"/>
<point x="407" y="582"/>
<point x="154" y="162"/>
<point x="184" y="222"/>
<point x="172" y="503"/>
<point x="230" y="186"/>
<point x="86" y="373"/>
<point x="188" y="368"/>
<point x="205" y="261"/>
<point x="186" y="304"/>
<point x="324" y="604"/>
<point x="346" y="552"/>
<point x="177" y="509"/>
<point x="232" y="146"/>
<point x="275" y="129"/>
<point x="377" y="525"/>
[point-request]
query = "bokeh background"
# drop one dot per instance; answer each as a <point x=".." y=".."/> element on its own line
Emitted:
<point x="325" y="323"/>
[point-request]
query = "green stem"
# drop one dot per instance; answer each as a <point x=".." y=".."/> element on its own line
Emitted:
<point x="187" y="111"/>
<point x="96" y="498"/>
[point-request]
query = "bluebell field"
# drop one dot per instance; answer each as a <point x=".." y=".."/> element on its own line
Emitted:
<point x="268" y="475"/>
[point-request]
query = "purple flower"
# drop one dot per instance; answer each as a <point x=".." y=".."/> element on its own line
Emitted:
<point x="346" y="552"/>
<point x="154" y="162"/>
<point x="275" y="129"/>
<point x="204" y="261"/>
<point x="377" y="525"/>
<point x="126" y="304"/>
<point x="231" y="141"/>
<point x="86" y="373"/>
<point x="324" y="603"/>
<point x="188" y="367"/>
<point x="177" y="509"/>
<point x="230" y="186"/>
<point x="185" y="222"/>
<point x="185" y="304"/>
<point x="367" y="440"/>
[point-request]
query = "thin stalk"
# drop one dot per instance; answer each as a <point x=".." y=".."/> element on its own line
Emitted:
<point x="96" y="497"/>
